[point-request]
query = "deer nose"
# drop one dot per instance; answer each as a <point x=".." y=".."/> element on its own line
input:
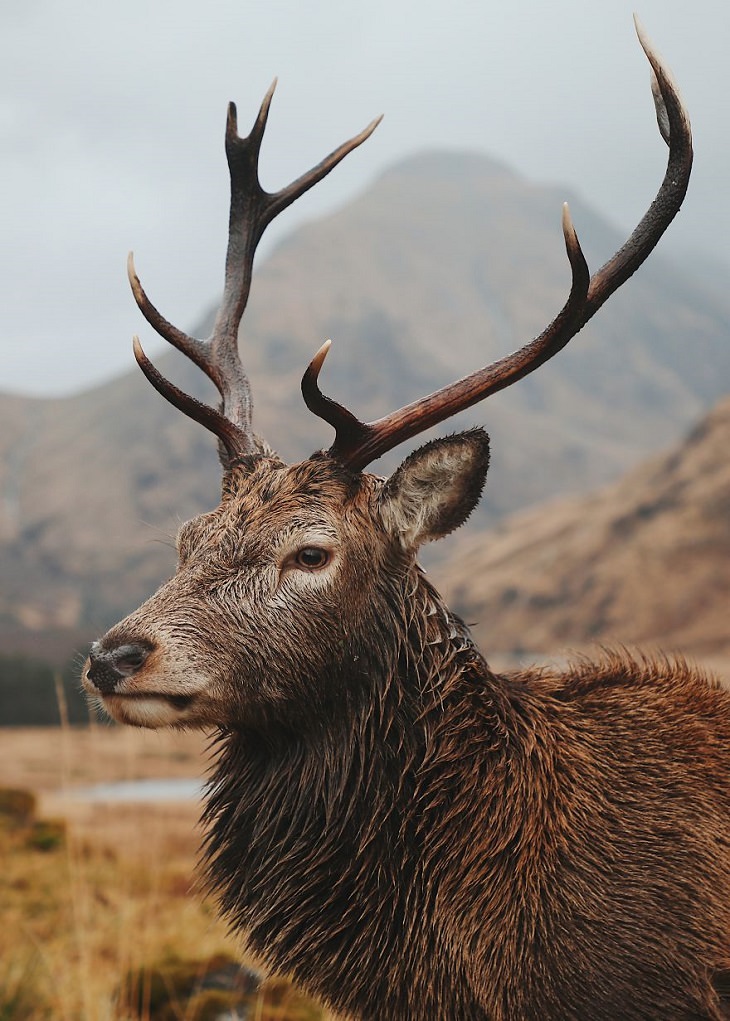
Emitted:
<point x="107" y="667"/>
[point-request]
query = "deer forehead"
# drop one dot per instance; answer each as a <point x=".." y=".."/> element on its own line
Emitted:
<point x="275" y="502"/>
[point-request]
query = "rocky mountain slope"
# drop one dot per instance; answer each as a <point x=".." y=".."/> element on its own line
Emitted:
<point x="447" y="262"/>
<point x="646" y="560"/>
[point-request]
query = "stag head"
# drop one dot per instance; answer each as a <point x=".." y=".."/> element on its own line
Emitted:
<point x="280" y="590"/>
<point x="300" y="590"/>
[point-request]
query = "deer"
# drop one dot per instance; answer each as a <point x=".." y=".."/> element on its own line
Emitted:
<point x="405" y="832"/>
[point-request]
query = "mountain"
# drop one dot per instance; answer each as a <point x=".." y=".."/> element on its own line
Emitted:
<point x="448" y="261"/>
<point x="645" y="560"/>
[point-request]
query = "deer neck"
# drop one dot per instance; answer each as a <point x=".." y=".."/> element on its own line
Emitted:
<point x="292" y="822"/>
<point x="439" y="652"/>
<point x="430" y="661"/>
<point x="286" y="787"/>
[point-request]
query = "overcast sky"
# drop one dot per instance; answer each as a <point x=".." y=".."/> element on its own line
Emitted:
<point x="112" y="116"/>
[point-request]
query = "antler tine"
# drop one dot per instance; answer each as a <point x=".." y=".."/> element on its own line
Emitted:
<point x="358" y="443"/>
<point x="675" y="129"/>
<point x="226" y="431"/>
<point x="251" y="211"/>
<point x="193" y="348"/>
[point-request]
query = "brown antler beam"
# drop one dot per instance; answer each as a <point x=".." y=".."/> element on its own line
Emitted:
<point x="358" y="443"/>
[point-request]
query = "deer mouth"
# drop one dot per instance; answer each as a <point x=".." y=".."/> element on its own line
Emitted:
<point x="180" y="701"/>
<point x="177" y="701"/>
<point x="150" y="709"/>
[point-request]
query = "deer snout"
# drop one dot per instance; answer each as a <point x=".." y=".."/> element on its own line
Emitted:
<point x="107" y="667"/>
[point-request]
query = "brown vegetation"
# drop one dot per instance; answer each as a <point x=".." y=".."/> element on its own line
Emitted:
<point x="98" y="899"/>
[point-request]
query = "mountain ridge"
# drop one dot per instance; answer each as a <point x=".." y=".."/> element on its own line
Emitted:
<point x="431" y="273"/>
<point x="644" y="561"/>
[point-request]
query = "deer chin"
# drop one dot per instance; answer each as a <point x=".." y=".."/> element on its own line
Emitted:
<point x="153" y="710"/>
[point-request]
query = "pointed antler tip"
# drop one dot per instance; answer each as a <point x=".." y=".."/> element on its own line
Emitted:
<point x="569" y="230"/>
<point x="263" y="114"/>
<point x="316" y="363"/>
<point x="643" y="37"/>
<point x="367" y="132"/>
<point x="231" y="121"/>
<point x="664" y="90"/>
<point x="134" y="283"/>
<point x="310" y="391"/>
<point x="651" y="54"/>
<point x="646" y="45"/>
<point x="579" y="266"/>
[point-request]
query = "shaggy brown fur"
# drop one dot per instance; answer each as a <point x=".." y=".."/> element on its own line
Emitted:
<point x="409" y="834"/>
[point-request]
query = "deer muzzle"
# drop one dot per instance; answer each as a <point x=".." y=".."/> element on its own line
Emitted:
<point x="108" y="667"/>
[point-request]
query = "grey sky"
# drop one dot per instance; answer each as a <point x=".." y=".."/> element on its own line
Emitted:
<point x="112" y="115"/>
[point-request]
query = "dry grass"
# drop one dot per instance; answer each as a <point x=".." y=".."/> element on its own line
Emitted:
<point x="118" y="894"/>
<point x="50" y="759"/>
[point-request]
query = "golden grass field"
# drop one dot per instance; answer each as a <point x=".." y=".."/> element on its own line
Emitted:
<point x="111" y="894"/>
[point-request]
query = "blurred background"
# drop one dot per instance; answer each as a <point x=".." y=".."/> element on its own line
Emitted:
<point x="112" y="115"/>
<point x="433" y="249"/>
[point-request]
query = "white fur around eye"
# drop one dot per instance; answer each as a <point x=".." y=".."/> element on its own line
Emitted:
<point x="294" y="560"/>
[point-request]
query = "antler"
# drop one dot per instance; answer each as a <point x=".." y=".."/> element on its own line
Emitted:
<point x="358" y="443"/>
<point x="252" y="210"/>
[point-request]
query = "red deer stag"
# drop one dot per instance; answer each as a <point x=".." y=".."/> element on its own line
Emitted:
<point x="407" y="833"/>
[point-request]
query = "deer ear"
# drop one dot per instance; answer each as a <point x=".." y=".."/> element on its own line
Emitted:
<point x="436" y="488"/>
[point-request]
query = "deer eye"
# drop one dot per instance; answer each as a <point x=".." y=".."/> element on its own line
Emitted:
<point x="311" y="558"/>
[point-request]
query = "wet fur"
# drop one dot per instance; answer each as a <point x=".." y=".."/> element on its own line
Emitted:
<point x="408" y="834"/>
<point x="530" y="846"/>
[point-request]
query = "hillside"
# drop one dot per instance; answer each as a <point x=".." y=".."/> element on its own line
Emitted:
<point x="646" y="560"/>
<point x="447" y="262"/>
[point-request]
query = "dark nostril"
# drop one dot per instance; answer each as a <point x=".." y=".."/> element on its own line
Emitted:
<point x="129" y="658"/>
<point x="107" y="667"/>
